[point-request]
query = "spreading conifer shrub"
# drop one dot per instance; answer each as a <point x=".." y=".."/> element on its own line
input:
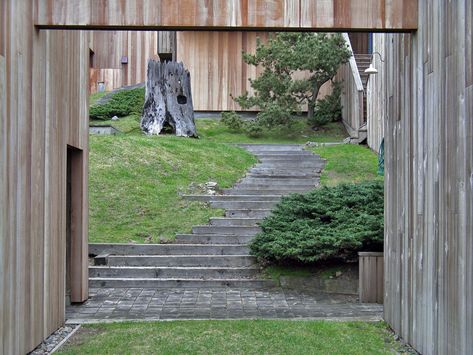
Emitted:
<point x="326" y="224"/>
<point x="121" y="104"/>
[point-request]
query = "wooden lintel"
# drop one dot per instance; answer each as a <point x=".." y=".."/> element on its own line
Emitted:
<point x="297" y="15"/>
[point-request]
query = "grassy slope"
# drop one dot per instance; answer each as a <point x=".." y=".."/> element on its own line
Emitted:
<point x="135" y="181"/>
<point x="234" y="337"/>
<point x="299" y="132"/>
<point x="348" y="163"/>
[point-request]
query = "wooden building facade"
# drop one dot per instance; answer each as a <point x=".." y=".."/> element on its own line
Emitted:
<point x="118" y="58"/>
<point x="214" y="60"/>
<point x="428" y="128"/>
<point x="43" y="135"/>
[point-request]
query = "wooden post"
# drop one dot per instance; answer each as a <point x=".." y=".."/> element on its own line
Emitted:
<point x="371" y="270"/>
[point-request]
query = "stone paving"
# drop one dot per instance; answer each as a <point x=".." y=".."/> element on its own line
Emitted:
<point x="117" y="304"/>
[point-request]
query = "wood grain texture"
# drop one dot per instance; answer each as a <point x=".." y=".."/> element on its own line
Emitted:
<point x="342" y="15"/>
<point x="352" y="94"/>
<point x="376" y="94"/>
<point x="371" y="277"/>
<point x="216" y="64"/>
<point x="110" y="47"/>
<point x="44" y="108"/>
<point x="217" y="69"/>
<point x="429" y="180"/>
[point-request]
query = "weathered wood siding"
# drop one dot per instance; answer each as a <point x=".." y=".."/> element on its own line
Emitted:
<point x="229" y="14"/>
<point x="376" y="96"/>
<point x="217" y="69"/>
<point x="352" y="95"/>
<point x="371" y="277"/>
<point x="43" y="110"/>
<point x="216" y="64"/>
<point x="110" y="46"/>
<point x="429" y="180"/>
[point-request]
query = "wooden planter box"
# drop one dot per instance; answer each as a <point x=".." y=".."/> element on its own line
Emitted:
<point x="371" y="266"/>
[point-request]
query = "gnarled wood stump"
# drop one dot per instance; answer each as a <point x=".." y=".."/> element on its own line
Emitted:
<point x="168" y="100"/>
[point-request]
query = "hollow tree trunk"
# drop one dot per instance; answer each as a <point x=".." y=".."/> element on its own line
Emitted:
<point x="168" y="100"/>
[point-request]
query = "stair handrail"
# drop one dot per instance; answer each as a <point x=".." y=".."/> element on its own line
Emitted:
<point x="352" y="63"/>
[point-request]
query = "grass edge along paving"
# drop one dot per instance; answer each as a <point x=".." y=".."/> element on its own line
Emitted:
<point x="234" y="337"/>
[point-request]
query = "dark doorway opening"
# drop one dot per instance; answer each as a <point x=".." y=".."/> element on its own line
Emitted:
<point x="74" y="225"/>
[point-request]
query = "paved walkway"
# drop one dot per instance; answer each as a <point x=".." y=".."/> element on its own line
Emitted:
<point x="208" y="274"/>
<point x="118" y="304"/>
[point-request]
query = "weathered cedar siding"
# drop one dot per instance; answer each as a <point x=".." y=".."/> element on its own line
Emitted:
<point x="429" y="180"/>
<point x="376" y="94"/>
<point x="429" y="144"/>
<point x="229" y="14"/>
<point x="110" y="46"/>
<point x="43" y="109"/>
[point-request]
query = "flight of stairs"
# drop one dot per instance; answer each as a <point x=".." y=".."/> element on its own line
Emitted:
<point x="214" y="255"/>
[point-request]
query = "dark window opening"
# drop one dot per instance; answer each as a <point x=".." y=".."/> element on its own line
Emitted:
<point x="165" y="57"/>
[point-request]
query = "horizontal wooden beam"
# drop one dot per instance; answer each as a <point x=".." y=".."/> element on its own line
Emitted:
<point x="268" y="15"/>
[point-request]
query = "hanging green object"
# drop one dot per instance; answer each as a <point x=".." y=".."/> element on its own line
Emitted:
<point x="381" y="159"/>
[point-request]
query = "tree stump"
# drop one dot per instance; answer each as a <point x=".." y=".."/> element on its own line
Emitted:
<point x="168" y="101"/>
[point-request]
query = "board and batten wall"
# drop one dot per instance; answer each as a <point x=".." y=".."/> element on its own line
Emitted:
<point x="429" y="180"/>
<point x="376" y="95"/>
<point x="43" y="110"/>
<point x="109" y="47"/>
<point x="217" y="68"/>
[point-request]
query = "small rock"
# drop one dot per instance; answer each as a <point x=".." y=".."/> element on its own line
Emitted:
<point x="211" y="184"/>
<point x="338" y="274"/>
<point x="115" y="118"/>
<point x="312" y="144"/>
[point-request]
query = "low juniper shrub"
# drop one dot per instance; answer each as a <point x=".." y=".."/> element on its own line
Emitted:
<point x="121" y="104"/>
<point x="326" y="224"/>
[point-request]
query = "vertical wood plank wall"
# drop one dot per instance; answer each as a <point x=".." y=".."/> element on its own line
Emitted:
<point x="217" y="69"/>
<point x="110" y="46"/>
<point x="215" y="62"/>
<point x="429" y="180"/>
<point x="44" y="110"/>
<point x="376" y="95"/>
<point x="352" y="94"/>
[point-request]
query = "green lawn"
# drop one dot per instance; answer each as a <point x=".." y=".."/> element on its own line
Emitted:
<point x="348" y="163"/>
<point x="135" y="182"/>
<point x="94" y="97"/>
<point x="234" y="337"/>
<point x="299" y="132"/>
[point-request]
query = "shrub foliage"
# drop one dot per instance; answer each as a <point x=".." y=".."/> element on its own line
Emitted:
<point x="121" y="104"/>
<point x="277" y="92"/>
<point x="329" y="223"/>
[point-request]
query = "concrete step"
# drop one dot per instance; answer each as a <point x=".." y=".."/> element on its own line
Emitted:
<point x="172" y="272"/>
<point x="167" y="249"/>
<point x="178" y="283"/>
<point x="182" y="260"/>
<point x="229" y="230"/>
<point x="209" y="198"/>
<point x="244" y="204"/>
<point x="255" y="185"/>
<point x="213" y="239"/>
<point x="282" y="191"/>
<point x="226" y="222"/>
<point x="268" y="153"/>
<point x="245" y="213"/>
<point x="271" y="147"/>
<point x="290" y="165"/>
<point x="269" y="181"/>
<point x="285" y="170"/>
<point x="282" y="174"/>
<point x="285" y="157"/>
